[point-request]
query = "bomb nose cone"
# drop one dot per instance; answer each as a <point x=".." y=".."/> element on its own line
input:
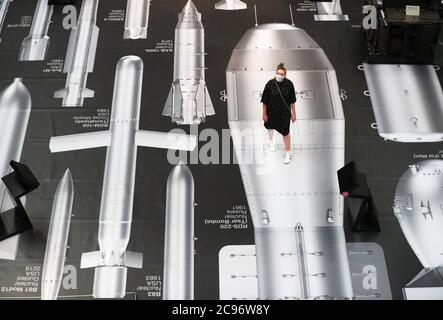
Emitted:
<point x="66" y="184"/>
<point x="130" y="64"/>
<point x="16" y="96"/>
<point x="189" y="7"/>
<point x="181" y="174"/>
<point x="189" y="15"/>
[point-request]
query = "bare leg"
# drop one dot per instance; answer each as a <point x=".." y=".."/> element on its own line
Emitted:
<point x="271" y="135"/>
<point x="271" y="144"/>
<point x="287" y="141"/>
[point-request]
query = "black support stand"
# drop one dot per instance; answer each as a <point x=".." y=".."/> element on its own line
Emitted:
<point x="19" y="183"/>
<point x="361" y="207"/>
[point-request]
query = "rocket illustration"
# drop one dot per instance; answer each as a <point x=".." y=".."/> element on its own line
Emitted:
<point x="80" y="57"/>
<point x="15" y="108"/>
<point x="178" y="269"/>
<point x="137" y="19"/>
<point x="230" y="5"/>
<point x="297" y="209"/>
<point x="330" y="11"/>
<point x="189" y="101"/>
<point x="4" y="4"/>
<point x="418" y="205"/>
<point x="122" y="139"/>
<point x="35" y="45"/>
<point x="57" y="242"/>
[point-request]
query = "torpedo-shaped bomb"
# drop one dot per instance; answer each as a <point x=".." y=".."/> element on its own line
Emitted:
<point x="178" y="269"/>
<point x="35" y="45"/>
<point x="57" y="241"/>
<point x="188" y="101"/>
<point x="15" y="108"/>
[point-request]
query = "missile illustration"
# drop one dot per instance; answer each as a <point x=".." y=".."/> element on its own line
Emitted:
<point x="15" y="108"/>
<point x="189" y="101"/>
<point x="35" y="45"/>
<point x="407" y="101"/>
<point x="4" y="4"/>
<point x="178" y="269"/>
<point x="122" y="139"/>
<point x="57" y="242"/>
<point x="137" y="19"/>
<point x="297" y="210"/>
<point x="330" y="11"/>
<point x="80" y="57"/>
<point x="418" y="207"/>
<point x="230" y="5"/>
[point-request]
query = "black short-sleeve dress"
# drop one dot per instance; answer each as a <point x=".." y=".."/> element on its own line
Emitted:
<point x="279" y="113"/>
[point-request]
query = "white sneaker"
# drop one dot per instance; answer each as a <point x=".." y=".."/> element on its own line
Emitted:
<point x="271" y="147"/>
<point x="288" y="158"/>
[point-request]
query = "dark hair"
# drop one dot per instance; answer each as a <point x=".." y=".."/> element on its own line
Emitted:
<point x="281" y="66"/>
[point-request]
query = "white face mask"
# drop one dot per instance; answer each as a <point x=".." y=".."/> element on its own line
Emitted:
<point x="279" y="78"/>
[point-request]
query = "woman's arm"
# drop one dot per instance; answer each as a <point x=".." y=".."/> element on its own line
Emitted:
<point x="265" y="101"/>
<point x="265" y="113"/>
<point x="293" y="99"/>
<point x="293" y="112"/>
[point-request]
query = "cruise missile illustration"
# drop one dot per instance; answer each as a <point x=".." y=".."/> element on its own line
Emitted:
<point x="57" y="241"/>
<point x="230" y="5"/>
<point x="35" y="45"/>
<point x="297" y="210"/>
<point x="178" y="269"/>
<point x="137" y="19"/>
<point x="15" y="108"/>
<point x="189" y="101"/>
<point x="80" y="57"/>
<point x="330" y="11"/>
<point x="122" y="139"/>
<point x="418" y="205"/>
<point x="4" y="4"/>
<point x="407" y="101"/>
